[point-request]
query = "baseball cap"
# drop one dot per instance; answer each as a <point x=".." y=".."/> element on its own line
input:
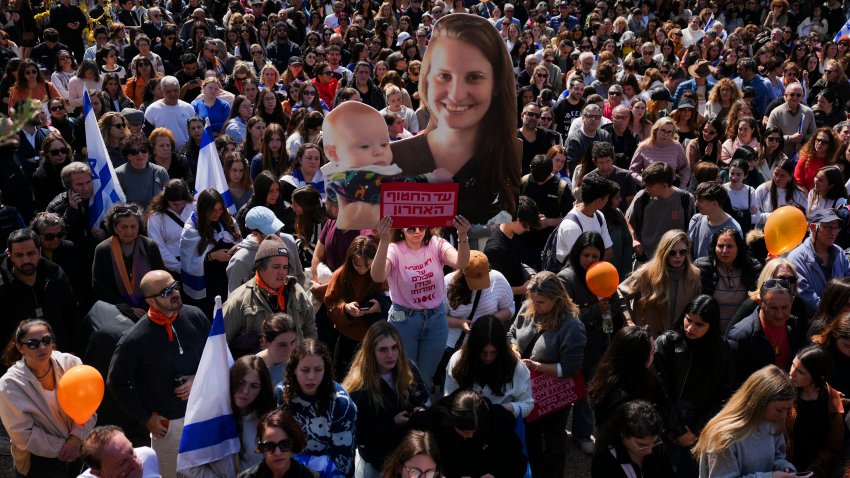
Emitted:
<point x="261" y="218"/>
<point x="477" y="272"/>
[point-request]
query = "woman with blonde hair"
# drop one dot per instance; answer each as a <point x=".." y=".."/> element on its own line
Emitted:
<point x="550" y="339"/>
<point x="657" y="293"/>
<point x="384" y="405"/>
<point x="745" y="438"/>
<point x="113" y="128"/>
<point x="662" y="146"/>
<point x="833" y="79"/>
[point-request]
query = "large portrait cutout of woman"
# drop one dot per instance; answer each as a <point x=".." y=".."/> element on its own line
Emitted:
<point x="467" y="83"/>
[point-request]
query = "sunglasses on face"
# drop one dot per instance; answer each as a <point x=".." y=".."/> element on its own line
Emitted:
<point x="51" y="236"/>
<point x="413" y="230"/>
<point x="119" y="126"/>
<point x="546" y="118"/>
<point x="678" y="252"/>
<point x="789" y="279"/>
<point x="34" y="344"/>
<point x="164" y="293"/>
<point x="269" y="447"/>
<point x="57" y="152"/>
<point x="135" y="151"/>
<point x="57" y="108"/>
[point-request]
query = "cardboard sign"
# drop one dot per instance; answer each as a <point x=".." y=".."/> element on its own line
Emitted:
<point x="419" y="204"/>
<point x="553" y="393"/>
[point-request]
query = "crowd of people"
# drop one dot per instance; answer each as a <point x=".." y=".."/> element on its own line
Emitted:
<point x="657" y="136"/>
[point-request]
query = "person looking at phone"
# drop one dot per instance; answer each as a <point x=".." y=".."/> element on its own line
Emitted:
<point x="384" y="405"/>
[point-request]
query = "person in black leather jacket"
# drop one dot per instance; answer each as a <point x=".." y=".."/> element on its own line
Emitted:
<point x="696" y="369"/>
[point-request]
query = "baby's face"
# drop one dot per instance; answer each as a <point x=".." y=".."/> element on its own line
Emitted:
<point x="364" y="142"/>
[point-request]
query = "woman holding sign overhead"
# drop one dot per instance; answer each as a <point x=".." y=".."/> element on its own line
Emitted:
<point x="411" y="260"/>
<point x="467" y="83"/>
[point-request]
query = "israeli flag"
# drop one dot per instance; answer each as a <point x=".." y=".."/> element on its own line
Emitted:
<point x="709" y="23"/>
<point x="845" y="31"/>
<point x="209" y="429"/>
<point x="210" y="171"/>
<point x="106" y="190"/>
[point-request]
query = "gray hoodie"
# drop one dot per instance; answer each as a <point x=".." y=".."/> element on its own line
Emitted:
<point x="240" y="269"/>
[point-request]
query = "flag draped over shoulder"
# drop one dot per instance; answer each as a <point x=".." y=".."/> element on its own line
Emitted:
<point x="106" y="190"/>
<point x="211" y="172"/>
<point x="209" y="429"/>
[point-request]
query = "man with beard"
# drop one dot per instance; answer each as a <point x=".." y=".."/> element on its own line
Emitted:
<point x="154" y="366"/>
<point x="535" y="140"/>
<point x="282" y="49"/>
<point x="33" y="287"/>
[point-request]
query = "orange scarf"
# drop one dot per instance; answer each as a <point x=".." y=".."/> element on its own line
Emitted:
<point x="281" y="300"/>
<point x="159" y="318"/>
<point x="118" y="255"/>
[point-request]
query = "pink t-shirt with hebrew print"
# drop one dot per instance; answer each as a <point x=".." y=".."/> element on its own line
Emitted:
<point x="416" y="281"/>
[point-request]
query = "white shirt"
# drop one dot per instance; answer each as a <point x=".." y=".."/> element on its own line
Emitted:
<point x="568" y="231"/>
<point x="166" y="233"/>
<point x="498" y="296"/>
<point x="172" y="118"/>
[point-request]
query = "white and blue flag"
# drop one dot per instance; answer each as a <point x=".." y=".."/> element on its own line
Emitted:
<point x="210" y="171"/>
<point x="209" y="429"/>
<point x="845" y="31"/>
<point x="106" y="190"/>
<point x="709" y="23"/>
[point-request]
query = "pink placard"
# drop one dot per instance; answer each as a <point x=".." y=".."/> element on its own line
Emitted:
<point x="419" y="204"/>
<point x="553" y="393"/>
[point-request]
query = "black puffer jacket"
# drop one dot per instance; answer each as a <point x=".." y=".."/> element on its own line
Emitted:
<point x="709" y="276"/>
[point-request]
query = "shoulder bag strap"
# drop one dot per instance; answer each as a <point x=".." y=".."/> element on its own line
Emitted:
<point x="459" y="342"/>
<point x="175" y="218"/>
<point x="528" y="348"/>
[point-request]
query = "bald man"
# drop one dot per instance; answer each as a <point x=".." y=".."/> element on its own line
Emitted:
<point x="155" y="363"/>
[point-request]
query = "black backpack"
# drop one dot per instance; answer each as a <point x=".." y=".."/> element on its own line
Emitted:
<point x="549" y="257"/>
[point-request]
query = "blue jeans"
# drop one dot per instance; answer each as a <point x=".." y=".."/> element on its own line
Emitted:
<point x="424" y="333"/>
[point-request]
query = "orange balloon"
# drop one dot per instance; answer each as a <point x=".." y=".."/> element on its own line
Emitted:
<point x="80" y="392"/>
<point x="602" y="279"/>
<point x="784" y="230"/>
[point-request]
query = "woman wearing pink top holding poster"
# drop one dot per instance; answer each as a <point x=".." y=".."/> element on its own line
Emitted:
<point x="411" y="260"/>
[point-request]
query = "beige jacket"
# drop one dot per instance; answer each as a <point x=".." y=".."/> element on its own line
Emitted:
<point x="32" y="426"/>
<point x="247" y="307"/>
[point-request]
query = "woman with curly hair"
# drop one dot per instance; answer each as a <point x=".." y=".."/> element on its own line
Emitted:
<point x="659" y="290"/>
<point x="745" y="133"/>
<point x="820" y="150"/>
<point x="551" y="315"/>
<point x="828" y="191"/>
<point x="320" y="406"/>
<point x="31" y="84"/>
<point x="721" y="98"/>
<point x="384" y="406"/>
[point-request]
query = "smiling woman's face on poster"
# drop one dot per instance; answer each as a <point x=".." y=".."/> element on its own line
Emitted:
<point x="468" y="86"/>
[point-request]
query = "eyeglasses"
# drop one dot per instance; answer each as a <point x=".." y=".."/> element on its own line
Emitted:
<point x="164" y="293"/>
<point x="546" y="118"/>
<point x="57" y="152"/>
<point x="51" y="236"/>
<point x="417" y="473"/>
<point x="592" y="116"/>
<point x="678" y="252"/>
<point x="328" y="72"/>
<point x="790" y="279"/>
<point x="666" y="132"/>
<point x="532" y="114"/>
<point x="615" y="93"/>
<point x="665" y="72"/>
<point x="30" y="72"/>
<point x="143" y="63"/>
<point x="649" y="447"/>
<point x="773" y="139"/>
<point x="541" y="75"/>
<point x="64" y="57"/>
<point x="268" y="447"/>
<point x="34" y="344"/>
<point x="119" y="126"/>
<point x="134" y="151"/>
<point x="794" y="95"/>
<point x="821" y="141"/>
<point x="57" y="108"/>
<point x="257" y="52"/>
<point x="413" y="230"/>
